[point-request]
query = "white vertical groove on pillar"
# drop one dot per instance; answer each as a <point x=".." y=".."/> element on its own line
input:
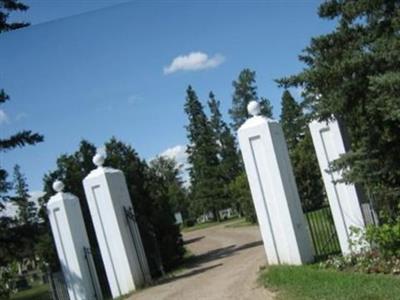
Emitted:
<point x="274" y="192"/>
<point x="343" y="198"/>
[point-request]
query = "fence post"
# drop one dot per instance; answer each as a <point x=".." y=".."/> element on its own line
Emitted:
<point x="274" y="191"/>
<point x="70" y="237"/>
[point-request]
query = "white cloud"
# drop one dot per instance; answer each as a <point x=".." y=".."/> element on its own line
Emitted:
<point x="178" y="153"/>
<point x="194" y="61"/>
<point x="3" y="117"/>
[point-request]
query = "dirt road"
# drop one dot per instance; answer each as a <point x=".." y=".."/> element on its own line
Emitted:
<point x="225" y="267"/>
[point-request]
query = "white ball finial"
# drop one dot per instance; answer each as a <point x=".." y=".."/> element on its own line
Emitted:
<point x="253" y="108"/>
<point x="58" y="186"/>
<point x="98" y="160"/>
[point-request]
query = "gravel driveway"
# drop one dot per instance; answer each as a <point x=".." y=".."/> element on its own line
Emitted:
<point x="225" y="266"/>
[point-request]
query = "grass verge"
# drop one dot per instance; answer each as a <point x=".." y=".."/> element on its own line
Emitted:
<point x="242" y="222"/>
<point x="40" y="292"/>
<point x="309" y="282"/>
<point x="208" y="224"/>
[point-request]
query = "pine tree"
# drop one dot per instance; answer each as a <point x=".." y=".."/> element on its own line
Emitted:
<point x="302" y="153"/>
<point x="206" y="187"/>
<point x="292" y="120"/>
<point x="26" y="208"/>
<point x="227" y="150"/>
<point x="245" y="90"/>
<point x="353" y="74"/>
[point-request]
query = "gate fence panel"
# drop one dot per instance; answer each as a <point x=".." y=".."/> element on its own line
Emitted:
<point x="323" y="232"/>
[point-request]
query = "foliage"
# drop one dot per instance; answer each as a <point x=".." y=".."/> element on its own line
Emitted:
<point x="228" y="157"/>
<point x="353" y="74"/>
<point x="240" y="191"/>
<point x="310" y="282"/>
<point x="245" y="90"/>
<point x="386" y="238"/>
<point x="169" y="173"/>
<point x="302" y="153"/>
<point x="374" y="250"/>
<point x="26" y="208"/>
<point x="206" y="190"/>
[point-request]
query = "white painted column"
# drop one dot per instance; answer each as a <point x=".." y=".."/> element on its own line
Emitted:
<point x="116" y="229"/>
<point x="273" y="188"/>
<point x="343" y="198"/>
<point x="72" y="244"/>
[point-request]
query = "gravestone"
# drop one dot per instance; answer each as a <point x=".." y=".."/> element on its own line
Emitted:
<point x="343" y="198"/>
<point x="72" y="245"/>
<point x="116" y="229"/>
<point x="273" y="188"/>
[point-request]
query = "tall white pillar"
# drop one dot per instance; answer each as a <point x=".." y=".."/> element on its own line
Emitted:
<point x="116" y="229"/>
<point x="274" y="191"/>
<point x="343" y="198"/>
<point x="72" y="245"/>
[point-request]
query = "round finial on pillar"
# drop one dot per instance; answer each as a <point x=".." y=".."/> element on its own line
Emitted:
<point x="98" y="160"/>
<point x="253" y="108"/>
<point x="58" y="186"/>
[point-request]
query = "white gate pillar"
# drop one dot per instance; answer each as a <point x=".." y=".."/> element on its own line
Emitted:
<point x="117" y="232"/>
<point x="343" y="198"/>
<point x="274" y="191"/>
<point x="72" y="245"/>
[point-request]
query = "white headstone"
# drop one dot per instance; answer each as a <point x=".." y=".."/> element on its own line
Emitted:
<point x="116" y="229"/>
<point x="343" y="198"/>
<point x="72" y="245"/>
<point x="274" y="191"/>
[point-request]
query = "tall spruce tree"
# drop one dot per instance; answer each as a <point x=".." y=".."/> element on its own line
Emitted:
<point x="206" y="188"/>
<point x="302" y="153"/>
<point x="245" y="90"/>
<point x="353" y="74"/>
<point x="27" y="210"/>
<point x="292" y="120"/>
<point x="229" y="162"/>
<point x="227" y="150"/>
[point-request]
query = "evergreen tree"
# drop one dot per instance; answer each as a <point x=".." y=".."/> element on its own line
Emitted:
<point x="353" y="74"/>
<point x="26" y="208"/>
<point x="206" y="188"/>
<point x="245" y="90"/>
<point x="227" y="151"/>
<point x="302" y="153"/>
<point x="292" y="120"/>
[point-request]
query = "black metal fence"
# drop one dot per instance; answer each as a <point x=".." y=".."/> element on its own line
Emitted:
<point x="58" y="288"/>
<point x="323" y="232"/>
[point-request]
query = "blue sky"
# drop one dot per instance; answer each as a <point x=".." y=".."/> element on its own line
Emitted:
<point x="122" y="70"/>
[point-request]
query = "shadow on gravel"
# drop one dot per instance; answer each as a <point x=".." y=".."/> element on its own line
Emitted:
<point x="188" y="274"/>
<point x="193" y="264"/>
<point x="193" y="240"/>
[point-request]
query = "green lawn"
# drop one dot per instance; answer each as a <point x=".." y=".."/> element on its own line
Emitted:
<point x="40" y="292"/>
<point x="309" y="283"/>
<point x="241" y="222"/>
<point x="208" y="224"/>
